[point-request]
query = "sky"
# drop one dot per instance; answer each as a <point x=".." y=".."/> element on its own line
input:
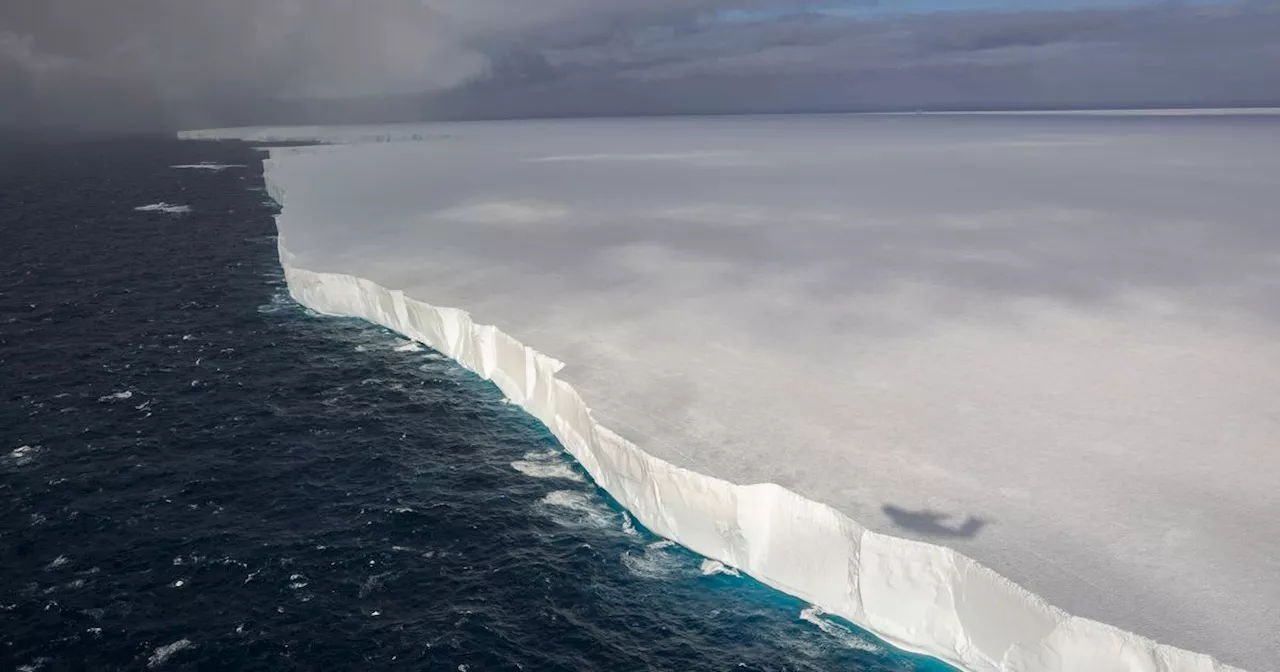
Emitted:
<point x="164" y="64"/>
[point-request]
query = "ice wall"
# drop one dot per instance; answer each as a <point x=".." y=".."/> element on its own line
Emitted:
<point x="918" y="596"/>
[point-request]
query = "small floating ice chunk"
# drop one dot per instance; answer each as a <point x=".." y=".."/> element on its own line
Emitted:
<point x="167" y="208"/>
<point x="116" y="396"/>
<point x="408" y="347"/>
<point x="710" y="567"/>
<point x="164" y="653"/>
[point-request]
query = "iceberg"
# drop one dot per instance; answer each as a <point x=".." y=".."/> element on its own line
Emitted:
<point x="1048" y="343"/>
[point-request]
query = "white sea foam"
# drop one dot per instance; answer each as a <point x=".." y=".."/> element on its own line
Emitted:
<point x="546" y="469"/>
<point x="408" y="347"/>
<point x="162" y="654"/>
<point x="710" y="567"/>
<point x="575" y="509"/>
<point x="33" y="666"/>
<point x="60" y="561"/>
<point x="655" y="561"/>
<point x="628" y="527"/>
<point x="846" y="637"/>
<point x="23" y="454"/>
<point x="116" y="396"/>
<point x="167" y="208"/>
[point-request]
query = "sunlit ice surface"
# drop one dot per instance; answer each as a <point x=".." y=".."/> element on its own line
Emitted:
<point x="1047" y="342"/>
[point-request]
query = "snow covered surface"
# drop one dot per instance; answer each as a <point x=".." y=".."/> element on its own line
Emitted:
<point x="1150" y="112"/>
<point x="1047" y="343"/>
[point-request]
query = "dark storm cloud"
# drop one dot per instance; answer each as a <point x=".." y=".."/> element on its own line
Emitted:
<point x="190" y="62"/>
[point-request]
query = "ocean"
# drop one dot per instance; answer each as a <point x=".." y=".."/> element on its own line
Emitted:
<point x="198" y="473"/>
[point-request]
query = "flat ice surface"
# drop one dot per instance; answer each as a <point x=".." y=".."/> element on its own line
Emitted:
<point x="1066" y="328"/>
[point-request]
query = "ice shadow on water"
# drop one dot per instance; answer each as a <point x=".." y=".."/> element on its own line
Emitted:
<point x="930" y="523"/>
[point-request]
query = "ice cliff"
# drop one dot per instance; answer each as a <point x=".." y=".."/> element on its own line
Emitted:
<point x="917" y="596"/>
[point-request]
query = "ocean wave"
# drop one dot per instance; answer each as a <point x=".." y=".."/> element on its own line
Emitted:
<point x="23" y="455"/>
<point x="577" y="509"/>
<point x="655" y="561"/>
<point x="162" y="654"/>
<point x="710" y="567"/>
<point x="845" y="636"/>
<point x="546" y="464"/>
<point x="116" y="396"/>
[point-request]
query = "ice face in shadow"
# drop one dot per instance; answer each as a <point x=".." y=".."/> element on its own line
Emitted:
<point x="1040" y="323"/>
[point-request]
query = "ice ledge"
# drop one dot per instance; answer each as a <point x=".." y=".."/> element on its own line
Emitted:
<point x="917" y="596"/>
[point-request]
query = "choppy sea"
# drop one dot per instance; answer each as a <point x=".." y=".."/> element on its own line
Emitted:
<point x="197" y="473"/>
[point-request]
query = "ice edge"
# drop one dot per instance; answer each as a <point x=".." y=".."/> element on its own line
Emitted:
<point x="917" y="596"/>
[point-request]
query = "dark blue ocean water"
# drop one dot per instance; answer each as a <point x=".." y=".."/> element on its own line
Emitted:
<point x="196" y="473"/>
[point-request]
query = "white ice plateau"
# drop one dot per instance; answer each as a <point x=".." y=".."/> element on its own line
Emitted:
<point x="816" y="347"/>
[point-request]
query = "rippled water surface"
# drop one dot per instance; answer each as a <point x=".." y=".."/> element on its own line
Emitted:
<point x="196" y="473"/>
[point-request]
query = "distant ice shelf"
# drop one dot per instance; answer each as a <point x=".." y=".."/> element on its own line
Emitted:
<point x="166" y="208"/>
<point x="1052" y="344"/>
<point x="211" y="166"/>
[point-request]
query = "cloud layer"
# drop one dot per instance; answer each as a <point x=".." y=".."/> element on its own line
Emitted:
<point x="184" y="62"/>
